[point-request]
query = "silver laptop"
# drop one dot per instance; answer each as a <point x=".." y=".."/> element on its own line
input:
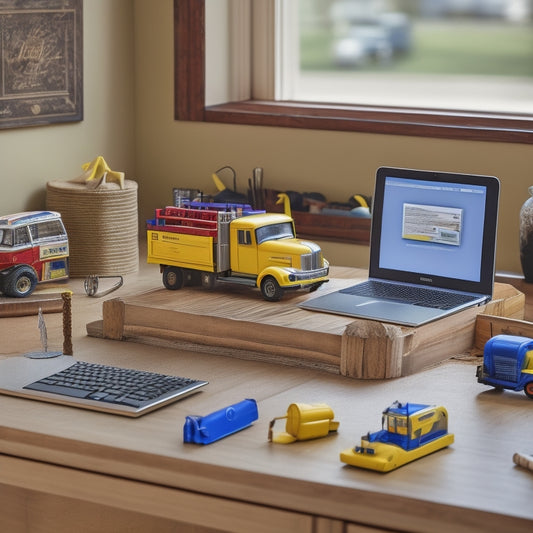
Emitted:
<point x="432" y="248"/>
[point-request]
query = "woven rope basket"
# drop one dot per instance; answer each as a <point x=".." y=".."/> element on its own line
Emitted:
<point x="102" y="226"/>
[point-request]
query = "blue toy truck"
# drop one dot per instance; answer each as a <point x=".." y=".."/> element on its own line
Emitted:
<point x="508" y="364"/>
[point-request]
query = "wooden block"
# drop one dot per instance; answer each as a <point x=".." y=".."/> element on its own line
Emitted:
<point x="523" y="286"/>
<point x="487" y="326"/>
<point x="507" y="301"/>
<point x="372" y="350"/>
<point x="113" y="319"/>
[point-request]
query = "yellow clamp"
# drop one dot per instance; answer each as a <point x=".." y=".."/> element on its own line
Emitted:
<point x="304" y="422"/>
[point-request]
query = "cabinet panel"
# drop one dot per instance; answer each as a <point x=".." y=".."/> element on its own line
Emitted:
<point x="24" y="511"/>
<point x="328" y="525"/>
<point x="46" y="489"/>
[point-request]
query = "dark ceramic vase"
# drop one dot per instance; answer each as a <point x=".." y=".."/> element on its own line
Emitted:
<point x="526" y="237"/>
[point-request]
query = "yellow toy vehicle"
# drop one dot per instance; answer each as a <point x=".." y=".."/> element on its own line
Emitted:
<point x="409" y="431"/>
<point x="206" y="243"/>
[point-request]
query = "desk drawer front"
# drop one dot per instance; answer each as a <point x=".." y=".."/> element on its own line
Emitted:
<point x="73" y="488"/>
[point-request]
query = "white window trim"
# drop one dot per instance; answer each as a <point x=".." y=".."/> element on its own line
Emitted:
<point x="264" y="50"/>
<point x="262" y="61"/>
<point x="240" y="45"/>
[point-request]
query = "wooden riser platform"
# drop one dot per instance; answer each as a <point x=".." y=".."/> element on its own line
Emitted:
<point x="237" y="322"/>
<point x="47" y="302"/>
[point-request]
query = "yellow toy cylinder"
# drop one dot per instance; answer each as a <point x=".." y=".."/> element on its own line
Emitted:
<point x="306" y="421"/>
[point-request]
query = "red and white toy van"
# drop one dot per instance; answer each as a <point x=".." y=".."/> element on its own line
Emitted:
<point x="33" y="249"/>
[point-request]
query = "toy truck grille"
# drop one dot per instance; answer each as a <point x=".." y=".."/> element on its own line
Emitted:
<point x="313" y="260"/>
<point x="505" y="368"/>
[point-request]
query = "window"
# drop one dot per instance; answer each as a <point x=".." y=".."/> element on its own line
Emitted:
<point x="21" y="236"/>
<point x="51" y="230"/>
<point x="451" y="54"/>
<point x="244" y="236"/>
<point x="282" y="230"/>
<point x="6" y="237"/>
<point x="190" y="104"/>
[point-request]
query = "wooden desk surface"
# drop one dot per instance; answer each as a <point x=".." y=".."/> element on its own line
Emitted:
<point x="471" y="486"/>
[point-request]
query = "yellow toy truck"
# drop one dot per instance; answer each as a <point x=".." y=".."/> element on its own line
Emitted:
<point x="204" y="243"/>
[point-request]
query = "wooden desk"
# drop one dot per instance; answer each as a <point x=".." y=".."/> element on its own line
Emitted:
<point x="65" y="469"/>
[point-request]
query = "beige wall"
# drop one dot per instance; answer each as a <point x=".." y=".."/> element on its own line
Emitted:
<point x="29" y="157"/>
<point x="129" y="45"/>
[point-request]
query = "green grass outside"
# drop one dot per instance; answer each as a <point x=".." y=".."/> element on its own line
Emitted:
<point x="440" y="48"/>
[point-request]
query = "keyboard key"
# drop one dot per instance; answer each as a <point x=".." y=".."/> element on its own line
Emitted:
<point x="59" y="389"/>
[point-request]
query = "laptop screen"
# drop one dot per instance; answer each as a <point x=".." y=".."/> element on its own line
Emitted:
<point x="437" y="229"/>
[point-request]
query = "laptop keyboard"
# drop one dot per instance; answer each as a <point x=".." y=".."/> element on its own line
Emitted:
<point x="425" y="297"/>
<point x="114" y="385"/>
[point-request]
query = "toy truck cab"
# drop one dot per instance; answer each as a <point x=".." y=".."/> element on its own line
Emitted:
<point x="265" y="249"/>
<point x="508" y="364"/>
<point x="33" y="249"/>
<point x="411" y="425"/>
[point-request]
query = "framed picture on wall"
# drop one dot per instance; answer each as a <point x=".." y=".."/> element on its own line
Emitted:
<point x="41" y="62"/>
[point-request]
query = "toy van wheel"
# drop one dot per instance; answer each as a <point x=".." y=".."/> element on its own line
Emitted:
<point x="271" y="290"/>
<point x="173" y="278"/>
<point x="20" y="283"/>
<point x="528" y="389"/>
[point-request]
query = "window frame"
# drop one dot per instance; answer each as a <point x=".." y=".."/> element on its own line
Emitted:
<point x="189" y="102"/>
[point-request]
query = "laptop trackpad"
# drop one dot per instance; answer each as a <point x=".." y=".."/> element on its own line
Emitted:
<point x="381" y="310"/>
<point x="390" y="311"/>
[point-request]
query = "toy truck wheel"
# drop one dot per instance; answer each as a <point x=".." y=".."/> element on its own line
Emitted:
<point x="193" y="278"/>
<point x="20" y="283"/>
<point x="528" y="389"/>
<point x="173" y="278"/>
<point x="207" y="280"/>
<point x="271" y="290"/>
